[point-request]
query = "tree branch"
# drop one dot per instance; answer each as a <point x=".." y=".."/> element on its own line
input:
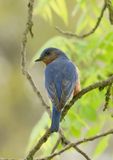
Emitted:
<point x="56" y="145"/>
<point x="70" y="34"/>
<point x="66" y="142"/>
<point x="28" y="30"/>
<point x="70" y="145"/>
<point x="99" y="85"/>
<point x="41" y="141"/>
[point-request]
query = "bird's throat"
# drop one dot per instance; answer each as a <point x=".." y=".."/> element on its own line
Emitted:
<point x="49" y="59"/>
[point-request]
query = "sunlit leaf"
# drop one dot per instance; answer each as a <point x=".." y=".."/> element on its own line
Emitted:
<point x="44" y="8"/>
<point x="94" y="129"/>
<point x="101" y="147"/>
<point x="59" y="7"/>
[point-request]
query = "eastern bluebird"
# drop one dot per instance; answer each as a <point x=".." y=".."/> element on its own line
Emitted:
<point x="61" y="81"/>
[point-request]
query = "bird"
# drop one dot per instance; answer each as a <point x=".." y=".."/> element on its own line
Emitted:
<point x="61" y="81"/>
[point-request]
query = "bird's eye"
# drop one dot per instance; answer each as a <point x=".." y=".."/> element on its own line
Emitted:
<point x="47" y="53"/>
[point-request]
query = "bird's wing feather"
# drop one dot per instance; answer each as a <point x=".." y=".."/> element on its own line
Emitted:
<point x="53" y="94"/>
<point x="60" y="82"/>
<point x="67" y="90"/>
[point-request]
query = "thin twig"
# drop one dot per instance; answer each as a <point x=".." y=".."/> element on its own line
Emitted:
<point x="70" y="34"/>
<point x="28" y="76"/>
<point x="70" y="145"/>
<point x="28" y="29"/>
<point x="56" y="145"/>
<point x="66" y="142"/>
<point x="82" y="153"/>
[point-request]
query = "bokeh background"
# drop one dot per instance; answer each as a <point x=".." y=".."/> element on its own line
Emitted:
<point x="20" y="109"/>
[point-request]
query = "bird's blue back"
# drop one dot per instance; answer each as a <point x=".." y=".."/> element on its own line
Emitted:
<point x="60" y="79"/>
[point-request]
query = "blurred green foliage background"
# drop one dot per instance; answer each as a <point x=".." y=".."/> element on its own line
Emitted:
<point x="22" y="117"/>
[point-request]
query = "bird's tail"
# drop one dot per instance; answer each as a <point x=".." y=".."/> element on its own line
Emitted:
<point x="55" y="119"/>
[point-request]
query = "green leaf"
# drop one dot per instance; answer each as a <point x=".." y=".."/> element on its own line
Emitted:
<point x="95" y="129"/>
<point x="59" y="7"/>
<point x="102" y="145"/>
<point x="44" y="8"/>
<point x="88" y="112"/>
<point x="79" y="119"/>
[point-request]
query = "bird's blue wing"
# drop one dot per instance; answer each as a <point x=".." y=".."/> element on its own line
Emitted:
<point x="52" y="91"/>
<point x="60" y="79"/>
<point x="68" y="83"/>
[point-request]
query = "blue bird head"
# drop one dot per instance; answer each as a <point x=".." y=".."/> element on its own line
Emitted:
<point x="50" y="54"/>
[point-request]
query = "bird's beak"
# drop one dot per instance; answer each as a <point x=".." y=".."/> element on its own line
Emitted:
<point x="38" y="60"/>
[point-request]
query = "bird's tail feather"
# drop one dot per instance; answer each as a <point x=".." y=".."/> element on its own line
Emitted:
<point x="55" y="119"/>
